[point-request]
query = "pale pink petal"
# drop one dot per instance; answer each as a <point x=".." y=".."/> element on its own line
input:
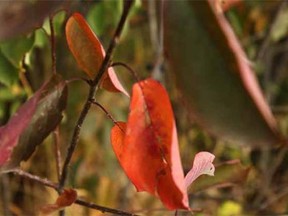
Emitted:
<point x="202" y="165"/>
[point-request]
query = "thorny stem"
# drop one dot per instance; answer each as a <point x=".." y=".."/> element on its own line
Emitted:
<point x="52" y="41"/>
<point x="134" y="74"/>
<point x="93" y="88"/>
<point x="53" y="185"/>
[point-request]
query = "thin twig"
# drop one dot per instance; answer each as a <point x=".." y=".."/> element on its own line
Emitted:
<point x="53" y="45"/>
<point x="134" y="74"/>
<point x="53" y="185"/>
<point x="267" y="38"/>
<point x="23" y="78"/>
<point x="93" y="88"/>
<point x="107" y="114"/>
<point x="5" y="194"/>
<point x="57" y="152"/>
<point x="105" y="111"/>
<point x="274" y="199"/>
<point x="156" y="35"/>
<point x="35" y="178"/>
<point x="101" y="208"/>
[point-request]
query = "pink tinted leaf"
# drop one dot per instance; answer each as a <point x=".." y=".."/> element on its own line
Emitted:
<point x="202" y="165"/>
<point x="32" y="123"/>
<point x="111" y="83"/>
<point x="10" y="133"/>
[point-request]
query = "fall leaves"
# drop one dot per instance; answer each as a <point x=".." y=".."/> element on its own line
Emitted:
<point x="147" y="146"/>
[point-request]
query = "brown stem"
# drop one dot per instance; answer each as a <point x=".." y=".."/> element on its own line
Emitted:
<point x="51" y="184"/>
<point x="107" y="114"/>
<point x="35" y="178"/>
<point x="134" y="74"/>
<point x="102" y="208"/>
<point x="93" y="88"/>
<point x="52" y="41"/>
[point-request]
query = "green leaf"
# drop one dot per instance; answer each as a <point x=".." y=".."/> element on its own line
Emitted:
<point x="214" y="76"/>
<point x="58" y="21"/>
<point x="8" y="73"/>
<point x="104" y="16"/>
<point x="16" y="48"/>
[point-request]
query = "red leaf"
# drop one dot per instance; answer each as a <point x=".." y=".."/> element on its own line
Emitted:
<point x="67" y="198"/>
<point x="148" y="152"/>
<point x="89" y="52"/>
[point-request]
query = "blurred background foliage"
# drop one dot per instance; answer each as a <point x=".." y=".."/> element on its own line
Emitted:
<point x="25" y="63"/>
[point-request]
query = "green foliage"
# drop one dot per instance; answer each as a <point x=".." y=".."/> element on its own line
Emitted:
<point x="8" y="72"/>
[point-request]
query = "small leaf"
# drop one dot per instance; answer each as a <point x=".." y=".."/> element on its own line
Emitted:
<point x="89" y="52"/>
<point x="227" y="174"/>
<point x="202" y="165"/>
<point x="148" y="151"/>
<point x="66" y="199"/>
<point x="32" y="123"/>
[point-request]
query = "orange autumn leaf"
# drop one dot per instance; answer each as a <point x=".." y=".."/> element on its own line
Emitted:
<point x="67" y="198"/>
<point x="148" y="150"/>
<point x="89" y="52"/>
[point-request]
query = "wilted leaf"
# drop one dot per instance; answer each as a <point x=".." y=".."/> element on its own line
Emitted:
<point x="202" y="165"/>
<point x="149" y="154"/>
<point x="214" y="76"/>
<point x="18" y="17"/>
<point x="66" y="199"/>
<point x="89" y="52"/>
<point x="8" y="73"/>
<point x="228" y="173"/>
<point x="32" y="123"/>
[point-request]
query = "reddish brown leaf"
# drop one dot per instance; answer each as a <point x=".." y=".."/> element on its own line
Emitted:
<point x="89" y="53"/>
<point x="10" y="133"/>
<point x="66" y="199"/>
<point x="148" y="152"/>
<point x="32" y="123"/>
